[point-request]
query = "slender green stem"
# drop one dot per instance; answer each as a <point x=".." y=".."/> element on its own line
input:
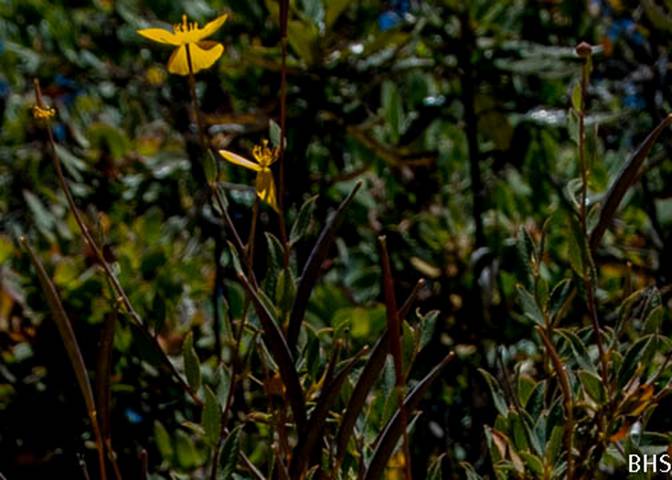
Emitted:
<point x="567" y="397"/>
<point x="122" y="297"/>
<point x="284" y="13"/>
<point x="247" y="253"/>
<point x="253" y="232"/>
<point x="584" y="51"/>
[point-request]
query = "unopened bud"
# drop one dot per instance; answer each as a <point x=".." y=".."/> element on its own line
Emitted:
<point x="584" y="50"/>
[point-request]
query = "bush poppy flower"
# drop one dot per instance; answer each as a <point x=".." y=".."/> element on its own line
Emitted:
<point x="191" y="44"/>
<point x="265" y="157"/>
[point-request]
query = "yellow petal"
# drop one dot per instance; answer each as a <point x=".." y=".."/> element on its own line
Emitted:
<point x="178" y="63"/>
<point x="266" y="189"/>
<point x="204" y="54"/>
<point x="238" y="160"/>
<point x="160" y="35"/>
<point x="212" y="27"/>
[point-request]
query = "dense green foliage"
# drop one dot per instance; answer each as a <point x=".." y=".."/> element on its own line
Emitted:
<point x="458" y="131"/>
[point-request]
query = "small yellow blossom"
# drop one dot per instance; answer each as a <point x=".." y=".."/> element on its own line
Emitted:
<point x="265" y="157"/>
<point x="395" y="467"/>
<point x="155" y="76"/>
<point x="42" y="112"/>
<point x="191" y="45"/>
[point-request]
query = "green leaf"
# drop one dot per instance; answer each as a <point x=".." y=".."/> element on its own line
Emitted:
<point x="534" y="405"/>
<point x="334" y="10"/>
<point x="392" y="109"/>
<point x="654" y="319"/>
<point x="210" y="167"/>
<point x="593" y="386"/>
<point x="578" y="348"/>
<point x="427" y="327"/>
<point x="533" y="463"/>
<point x="285" y="289"/>
<point x="576" y="97"/>
<point x="496" y="392"/>
<point x="108" y="138"/>
<point x="571" y="191"/>
<point x="211" y="418"/>
<point x="525" y="387"/>
<point x="229" y="456"/>
<point x="303" y="38"/>
<point x="559" y="296"/>
<point x="302" y="221"/>
<point x="518" y="435"/>
<point x="632" y="358"/>
<point x="163" y="442"/>
<point x="192" y="366"/>
<point x="274" y="133"/>
<point x="275" y="252"/>
<point x="74" y="165"/>
<point x="573" y="126"/>
<point x="529" y="304"/>
<point x="408" y="344"/>
<point x="314" y="10"/>
<point x="275" y="263"/>
<point x="235" y="259"/>
<point x="580" y="257"/>
<point x="541" y="291"/>
<point x="554" y="444"/>
<point x="43" y="218"/>
<point x="526" y="250"/>
<point x="6" y="249"/>
<point x="186" y="453"/>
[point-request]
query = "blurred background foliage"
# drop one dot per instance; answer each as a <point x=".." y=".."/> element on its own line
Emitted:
<point x="454" y="114"/>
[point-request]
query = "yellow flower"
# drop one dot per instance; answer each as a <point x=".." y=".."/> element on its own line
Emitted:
<point x="265" y="157"/>
<point x="42" y="112"/>
<point x="155" y="76"/>
<point x="191" y="45"/>
<point x="395" y="467"/>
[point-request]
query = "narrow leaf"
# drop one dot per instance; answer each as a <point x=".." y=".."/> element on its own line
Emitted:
<point x="367" y="378"/>
<point x="529" y="304"/>
<point x="315" y="427"/>
<point x="211" y="417"/>
<point x="192" y="366"/>
<point x="163" y="442"/>
<point x="312" y="268"/>
<point x="624" y="180"/>
<point x="387" y="440"/>
<point x="282" y="356"/>
<point x="302" y="221"/>
<point x="496" y="392"/>
<point x="229" y="456"/>
<point x="593" y="386"/>
<point x="71" y="347"/>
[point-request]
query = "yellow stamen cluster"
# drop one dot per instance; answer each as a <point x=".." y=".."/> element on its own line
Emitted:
<point x="264" y="155"/>
<point x="185" y="26"/>
<point x="43" y="112"/>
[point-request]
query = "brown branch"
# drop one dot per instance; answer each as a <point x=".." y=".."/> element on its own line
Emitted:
<point x="394" y="329"/>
